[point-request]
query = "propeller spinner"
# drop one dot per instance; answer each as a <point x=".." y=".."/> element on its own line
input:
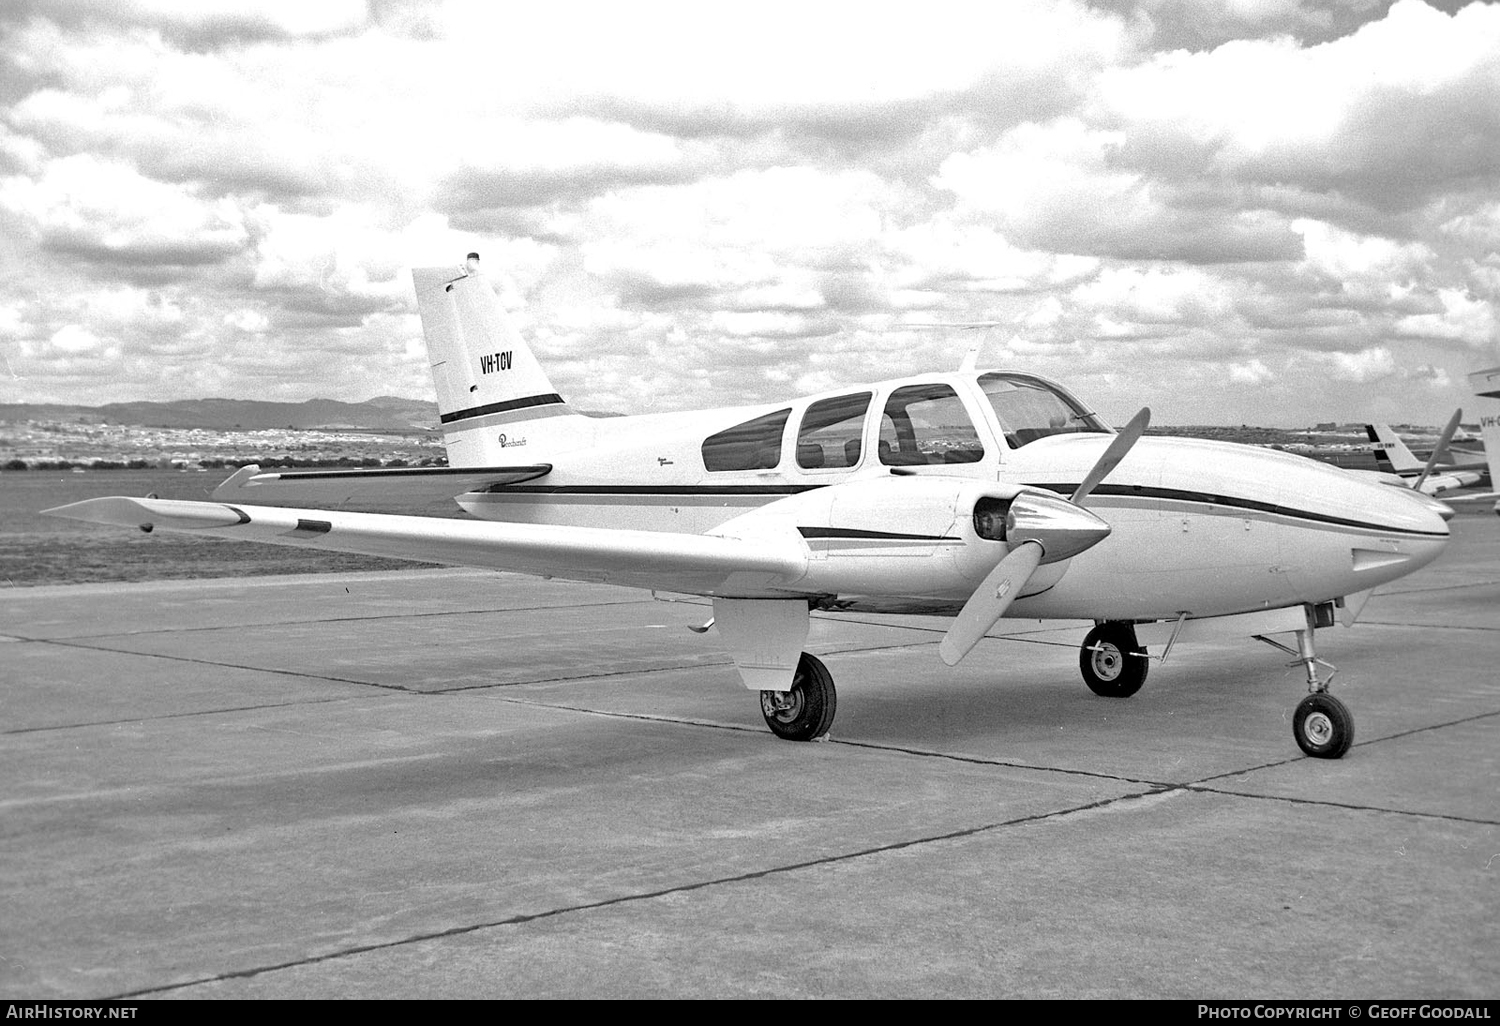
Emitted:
<point x="1040" y="529"/>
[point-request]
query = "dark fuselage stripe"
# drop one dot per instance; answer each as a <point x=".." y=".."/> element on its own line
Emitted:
<point x="382" y="473"/>
<point x="845" y="532"/>
<point x="659" y="490"/>
<point x="550" y="399"/>
<point x="666" y="492"/>
<point x="1209" y="499"/>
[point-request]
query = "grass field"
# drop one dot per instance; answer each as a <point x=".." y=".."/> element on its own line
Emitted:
<point x="37" y="550"/>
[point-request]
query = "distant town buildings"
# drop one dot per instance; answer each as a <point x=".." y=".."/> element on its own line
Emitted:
<point x="42" y="444"/>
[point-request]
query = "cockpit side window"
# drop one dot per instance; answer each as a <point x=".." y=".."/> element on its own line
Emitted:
<point x="753" y="445"/>
<point x="927" y="424"/>
<point x="832" y="432"/>
<point x="1028" y="408"/>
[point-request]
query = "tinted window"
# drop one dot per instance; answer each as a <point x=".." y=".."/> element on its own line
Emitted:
<point x="832" y="431"/>
<point x="927" y="424"/>
<point x="753" y="445"/>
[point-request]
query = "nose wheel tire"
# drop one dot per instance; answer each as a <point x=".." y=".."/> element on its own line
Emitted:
<point x="1323" y="726"/>
<point x="806" y="711"/>
<point x="1113" y="663"/>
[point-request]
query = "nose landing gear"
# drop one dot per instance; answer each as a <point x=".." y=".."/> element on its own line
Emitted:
<point x="1322" y="725"/>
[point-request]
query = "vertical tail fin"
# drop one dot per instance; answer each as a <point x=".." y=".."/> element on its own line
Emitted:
<point x="1391" y="454"/>
<point x="492" y="394"/>
<point x="1485" y="385"/>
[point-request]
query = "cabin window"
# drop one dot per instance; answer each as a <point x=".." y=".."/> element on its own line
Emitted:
<point x="753" y="445"/>
<point x="1029" y="408"/>
<point x="832" y="432"/>
<point x="927" y="424"/>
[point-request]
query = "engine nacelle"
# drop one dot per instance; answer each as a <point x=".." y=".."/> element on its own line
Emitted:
<point x="923" y="537"/>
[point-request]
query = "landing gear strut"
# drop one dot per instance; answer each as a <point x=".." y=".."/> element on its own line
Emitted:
<point x="806" y="711"/>
<point x="1114" y="664"/>
<point x="1321" y="724"/>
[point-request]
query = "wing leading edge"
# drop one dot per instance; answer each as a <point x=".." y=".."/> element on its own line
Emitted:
<point x="688" y="563"/>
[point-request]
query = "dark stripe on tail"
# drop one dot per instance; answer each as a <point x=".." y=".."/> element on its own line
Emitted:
<point x="550" y="399"/>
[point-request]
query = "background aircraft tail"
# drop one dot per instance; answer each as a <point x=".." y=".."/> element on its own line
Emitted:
<point x="1391" y="454"/>
<point x="496" y="404"/>
<point x="1485" y="385"/>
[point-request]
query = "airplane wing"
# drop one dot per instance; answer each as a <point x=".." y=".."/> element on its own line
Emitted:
<point x="688" y="563"/>
<point x="1473" y="497"/>
<point x="390" y="485"/>
<point x="1437" y="484"/>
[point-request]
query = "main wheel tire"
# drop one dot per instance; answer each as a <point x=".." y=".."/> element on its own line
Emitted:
<point x="1113" y="663"/>
<point x="1323" y="726"/>
<point x="806" y="711"/>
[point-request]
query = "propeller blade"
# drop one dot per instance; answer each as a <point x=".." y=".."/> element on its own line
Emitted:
<point x="1440" y="448"/>
<point x="990" y="601"/>
<point x="1128" y="436"/>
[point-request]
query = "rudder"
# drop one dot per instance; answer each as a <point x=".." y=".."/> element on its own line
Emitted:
<point x="1485" y="384"/>
<point x="1391" y="452"/>
<point x="488" y="381"/>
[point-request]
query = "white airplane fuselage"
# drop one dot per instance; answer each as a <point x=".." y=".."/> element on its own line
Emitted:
<point x="1197" y="527"/>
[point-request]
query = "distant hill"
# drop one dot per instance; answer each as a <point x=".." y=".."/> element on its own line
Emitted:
<point x="383" y="413"/>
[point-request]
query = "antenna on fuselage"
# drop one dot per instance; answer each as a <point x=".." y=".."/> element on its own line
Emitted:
<point x="971" y="357"/>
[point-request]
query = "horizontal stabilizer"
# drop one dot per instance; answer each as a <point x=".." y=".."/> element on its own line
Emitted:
<point x="689" y="563"/>
<point x="403" y="486"/>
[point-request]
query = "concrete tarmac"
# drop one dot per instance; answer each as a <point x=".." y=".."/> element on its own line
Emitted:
<point x="454" y="784"/>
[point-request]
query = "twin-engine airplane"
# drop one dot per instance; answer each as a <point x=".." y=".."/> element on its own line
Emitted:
<point x="975" y="495"/>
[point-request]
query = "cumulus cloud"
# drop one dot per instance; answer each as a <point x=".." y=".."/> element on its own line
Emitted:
<point x="1394" y="113"/>
<point x="105" y="211"/>
<point x="682" y="207"/>
<point x="1250" y="372"/>
<point x="1361" y="367"/>
<point x="1464" y="319"/>
<point x="205" y="24"/>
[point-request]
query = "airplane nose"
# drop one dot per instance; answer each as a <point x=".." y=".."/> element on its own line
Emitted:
<point x="1417" y="512"/>
<point x="1439" y="507"/>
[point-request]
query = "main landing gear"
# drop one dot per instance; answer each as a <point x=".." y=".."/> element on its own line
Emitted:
<point x="1114" y="664"/>
<point x="806" y="711"/>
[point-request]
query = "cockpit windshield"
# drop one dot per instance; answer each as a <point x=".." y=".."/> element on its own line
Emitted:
<point x="1029" y="408"/>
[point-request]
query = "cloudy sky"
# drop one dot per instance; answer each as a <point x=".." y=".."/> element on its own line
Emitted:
<point x="1272" y="212"/>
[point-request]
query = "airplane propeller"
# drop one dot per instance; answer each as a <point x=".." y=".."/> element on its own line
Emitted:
<point x="1440" y="448"/>
<point x="990" y="601"/>
<point x="1041" y="528"/>
<point x="1128" y="436"/>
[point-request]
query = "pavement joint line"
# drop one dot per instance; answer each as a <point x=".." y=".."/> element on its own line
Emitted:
<point x="332" y="619"/>
<point x="1445" y="816"/>
<point x="72" y="643"/>
<point x="709" y="663"/>
<point x="625" y="899"/>
<point x="1430" y="726"/>
<point x="1160" y="786"/>
<point x="176" y="716"/>
<point x="976" y="760"/>
<point x="1428" y="626"/>
<point x="1437" y="587"/>
<point x="980" y="760"/>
